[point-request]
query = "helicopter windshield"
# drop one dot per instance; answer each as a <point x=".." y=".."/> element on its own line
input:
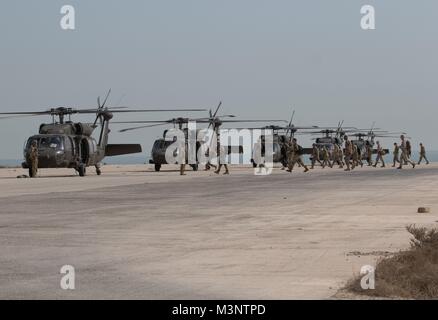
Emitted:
<point x="54" y="142"/>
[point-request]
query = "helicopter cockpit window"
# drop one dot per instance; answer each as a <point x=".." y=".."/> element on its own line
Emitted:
<point x="52" y="142"/>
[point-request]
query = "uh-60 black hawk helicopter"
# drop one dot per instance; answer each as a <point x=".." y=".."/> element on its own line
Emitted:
<point x="67" y="144"/>
<point x="214" y="121"/>
<point x="367" y="138"/>
<point x="334" y="136"/>
<point x="280" y="136"/>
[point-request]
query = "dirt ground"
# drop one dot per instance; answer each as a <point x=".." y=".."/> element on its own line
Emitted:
<point x="133" y="233"/>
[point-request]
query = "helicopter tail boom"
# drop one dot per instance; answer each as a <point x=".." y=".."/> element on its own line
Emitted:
<point x="112" y="150"/>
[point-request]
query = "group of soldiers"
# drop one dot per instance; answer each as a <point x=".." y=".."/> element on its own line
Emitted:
<point x="209" y="165"/>
<point x="350" y="156"/>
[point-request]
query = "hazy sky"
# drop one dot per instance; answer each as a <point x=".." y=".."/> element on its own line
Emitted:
<point x="259" y="57"/>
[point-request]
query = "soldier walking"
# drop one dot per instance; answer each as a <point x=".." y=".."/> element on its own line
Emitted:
<point x="221" y="159"/>
<point x="326" y="158"/>
<point x="408" y="149"/>
<point x="294" y="156"/>
<point x="356" y="156"/>
<point x="423" y="154"/>
<point x="337" y="156"/>
<point x="380" y="154"/>
<point x="348" y="153"/>
<point x="404" y="154"/>
<point x="369" y="151"/>
<point x="33" y="157"/>
<point x="315" y="155"/>
<point x="396" y="154"/>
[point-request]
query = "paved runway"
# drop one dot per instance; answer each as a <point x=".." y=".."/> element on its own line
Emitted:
<point x="135" y="233"/>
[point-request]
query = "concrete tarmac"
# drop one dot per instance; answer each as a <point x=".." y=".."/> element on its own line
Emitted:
<point x="137" y="234"/>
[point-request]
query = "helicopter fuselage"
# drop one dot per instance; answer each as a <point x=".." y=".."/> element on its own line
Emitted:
<point x="70" y="145"/>
<point x="63" y="151"/>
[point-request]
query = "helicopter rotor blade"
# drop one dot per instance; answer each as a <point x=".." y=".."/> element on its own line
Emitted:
<point x="20" y="116"/>
<point x="142" y="127"/>
<point x="213" y="116"/>
<point x="106" y="98"/>
<point x="291" y="121"/>
<point x="30" y="113"/>
<point x="217" y="109"/>
<point x="252" y="120"/>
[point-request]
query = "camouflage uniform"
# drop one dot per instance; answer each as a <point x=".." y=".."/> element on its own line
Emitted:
<point x="404" y="154"/>
<point x="33" y="159"/>
<point x="326" y="158"/>
<point x="221" y="160"/>
<point x="348" y="153"/>
<point x="408" y="149"/>
<point x="315" y="156"/>
<point x="396" y="154"/>
<point x="355" y="156"/>
<point x="337" y="156"/>
<point x="423" y="154"/>
<point x="380" y="155"/>
<point x="294" y="156"/>
<point x="369" y="150"/>
<point x="182" y="159"/>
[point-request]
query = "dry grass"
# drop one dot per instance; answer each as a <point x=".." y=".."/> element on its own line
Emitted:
<point x="411" y="274"/>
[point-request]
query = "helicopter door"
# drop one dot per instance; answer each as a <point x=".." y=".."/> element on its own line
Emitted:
<point x="85" y="151"/>
<point x="92" y="148"/>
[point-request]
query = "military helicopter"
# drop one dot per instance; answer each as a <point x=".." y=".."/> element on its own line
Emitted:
<point x="158" y="153"/>
<point x="67" y="144"/>
<point x="331" y="136"/>
<point x="281" y="135"/>
<point x="367" y="138"/>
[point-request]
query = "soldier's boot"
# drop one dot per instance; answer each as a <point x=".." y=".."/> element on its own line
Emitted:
<point x="182" y="169"/>
<point x="306" y="168"/>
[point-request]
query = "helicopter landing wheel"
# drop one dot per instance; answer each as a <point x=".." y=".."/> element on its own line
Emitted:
<point x="82" y="170"/>
<point x="157" y="167"/>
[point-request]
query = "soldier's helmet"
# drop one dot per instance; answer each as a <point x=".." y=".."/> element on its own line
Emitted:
<point x="402" y="137"/>
<point x="34" y="143"/>
<point x="345" y="137"/>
